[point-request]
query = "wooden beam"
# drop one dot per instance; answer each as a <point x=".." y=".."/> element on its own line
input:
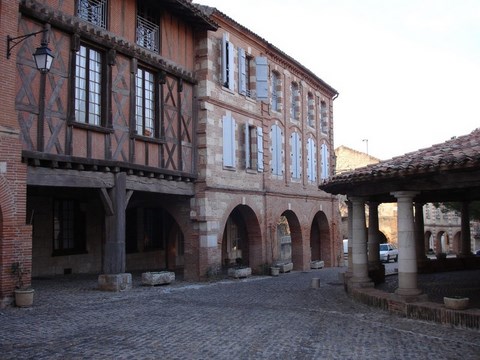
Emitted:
<point x="106" y="201"/>
<point x="41" y="176"/>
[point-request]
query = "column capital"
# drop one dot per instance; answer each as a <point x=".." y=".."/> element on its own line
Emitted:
<point x="404" y="194"/>
<point x="357" y="199"/>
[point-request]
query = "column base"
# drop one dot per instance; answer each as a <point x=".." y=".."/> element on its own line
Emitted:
<point x="410" y="295"/>
<point x="115" y="282"/>
<point x="356" y="282"/>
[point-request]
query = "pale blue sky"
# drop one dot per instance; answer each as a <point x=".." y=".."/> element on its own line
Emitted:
<point x="408" y="71"/>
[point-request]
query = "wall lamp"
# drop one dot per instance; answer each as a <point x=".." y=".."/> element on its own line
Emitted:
<point x="43" y="56"/>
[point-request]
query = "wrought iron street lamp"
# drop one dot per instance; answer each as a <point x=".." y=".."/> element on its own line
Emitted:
<point x="43" y="56"/>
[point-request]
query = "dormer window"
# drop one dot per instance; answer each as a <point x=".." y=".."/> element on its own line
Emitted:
<point x="93" y="11"/>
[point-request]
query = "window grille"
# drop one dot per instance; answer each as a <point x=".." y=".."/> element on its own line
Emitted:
<point x="148" y="34"/>
<point x="93" y="11"/>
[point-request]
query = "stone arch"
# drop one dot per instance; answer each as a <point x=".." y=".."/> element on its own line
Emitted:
<point x="428" y="242"/>
<point x="457" y="242"/>
<point x="320" y="238"/>
<point x="296" y="238"/>
<point x="442" y="242"/>
<point x="242" y="238"/>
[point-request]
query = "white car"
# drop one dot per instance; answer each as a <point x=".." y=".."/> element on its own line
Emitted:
<point x="388" y="252"/>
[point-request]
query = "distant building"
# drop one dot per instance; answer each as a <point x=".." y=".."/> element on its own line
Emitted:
<point x="348" y="159"/>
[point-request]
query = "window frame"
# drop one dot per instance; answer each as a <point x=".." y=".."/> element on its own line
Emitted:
<point x="78" y="88"/>
<point x="147" y="20"/>
<point x="294" y="106"/>
<point x="154" y="130"/>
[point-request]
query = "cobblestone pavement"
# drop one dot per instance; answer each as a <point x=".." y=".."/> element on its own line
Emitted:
<point x="256" y="318"/>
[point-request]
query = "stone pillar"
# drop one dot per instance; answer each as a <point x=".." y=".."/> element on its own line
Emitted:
<point x="419" y="233"/>
<point x="407" y="254"/>
<point x="359" y="245"/>
<point x="114" y="261"/>
<point x="465" y="248"/>
<point x="373" y="234"/>
<point x="350" y="237"/>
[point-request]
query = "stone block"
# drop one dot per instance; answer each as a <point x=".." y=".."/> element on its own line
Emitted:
<point x="317" y="264"/>
<point x="157" y="278"/>
<point x="239" y="272"/>
<point x="115" y="282"/>
<point x="287" y="267"/>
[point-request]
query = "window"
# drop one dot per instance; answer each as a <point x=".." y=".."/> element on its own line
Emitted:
<point x="276" y="91"/>
<point x="323" y="117"/>
<point x="145" y="103"/>
<point x="294" y="98"/>
<point x="148" y="30"/>
<point x="261" y="67"/>
<point x="253" y="147"/>
<point x="244" y="73"/>
<point x="311" y="110"/>
<point x="88" y="86"/>
<point x="228" y="66"/>
<point x="93" y="11"/>
<point x="277" y="140"/>
<point x="311" y="160"/>
<point x="296" y="155"/>
<point x="325" y="162"/>
<point x="68" y="227"/>
<point x="228" y="141"/>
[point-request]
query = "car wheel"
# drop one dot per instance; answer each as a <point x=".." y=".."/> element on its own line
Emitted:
<point x="396" y="258"/>
<point x="388" y="258"/>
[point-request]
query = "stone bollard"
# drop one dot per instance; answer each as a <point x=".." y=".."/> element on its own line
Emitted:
<point x="315" y="284"/>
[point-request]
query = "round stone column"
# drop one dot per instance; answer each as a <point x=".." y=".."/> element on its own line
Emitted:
<point x="350" y="237"/>
<point x="407" y="253"/>
<point x="359" y="245"/>
<point x="373" y="234"/>
<point x="465" y="249"/>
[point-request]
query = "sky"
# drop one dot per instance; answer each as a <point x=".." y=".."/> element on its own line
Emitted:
<point x="407" y="71"/>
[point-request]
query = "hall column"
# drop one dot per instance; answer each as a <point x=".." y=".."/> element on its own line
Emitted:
<point x="419" y="235"/>
<point x="350" y="238"/>
<point x="376" y="270"/>
<point x="114" y="277"/>
<point x="407" y="255"/>
<point x="359" y="245"/>
<point x="465" y="248"/>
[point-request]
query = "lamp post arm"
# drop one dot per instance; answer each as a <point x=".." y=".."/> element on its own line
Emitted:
<point x="17" y="40"/>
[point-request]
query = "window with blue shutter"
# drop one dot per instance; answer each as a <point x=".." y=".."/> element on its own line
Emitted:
<point x="325" y="162"/>
<point x="296" y="156"/>
<point x="276" y="150"/>
<point x="242" y="72"/>
<point x="228" y="141"/>
<point x="261" y="65"/>
<point x="228" y="62"/>
<point x="311" y="160"/>
<point x="260" y="149"/>
<point x="248" y="148"/>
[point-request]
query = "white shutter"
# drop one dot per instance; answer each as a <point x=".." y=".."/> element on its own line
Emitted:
<point x="296" y="156"/>
<point x="231" y="66"/>
<point x="314" y="163"/>
<point x="228" y="141"/>
<point x="260" y="148"/>
<point x="242" y="72"/>
<point x="325" y="165"/>
<point x="262" y="77"/>
<point x="312" y="160"/>
<point x="248" y="164"/>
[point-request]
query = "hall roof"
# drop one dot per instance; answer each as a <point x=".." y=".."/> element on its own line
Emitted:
<point x="449" y="171"/>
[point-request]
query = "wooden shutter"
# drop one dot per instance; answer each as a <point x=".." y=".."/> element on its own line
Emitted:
<point x="262" y="77"/>
<point x="228" y="141"/>
<point x="231" y="66"/>
<point x="276" y="150"/>
<point x="325" y="162"/>
<point x="296" y="156"/>
<point x="312" y="160"/>
<point x="242" y="72"/>
<point x="260" y="148"/>
<point x="248" y="162"/>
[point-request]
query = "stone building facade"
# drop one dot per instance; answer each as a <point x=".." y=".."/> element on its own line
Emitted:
<point x="165" y="136"/>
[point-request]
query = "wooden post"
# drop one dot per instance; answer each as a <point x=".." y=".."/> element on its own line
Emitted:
<point x="114" y="256"/>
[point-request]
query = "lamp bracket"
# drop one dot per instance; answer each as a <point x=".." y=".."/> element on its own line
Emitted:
<point x="17" y="40"/>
